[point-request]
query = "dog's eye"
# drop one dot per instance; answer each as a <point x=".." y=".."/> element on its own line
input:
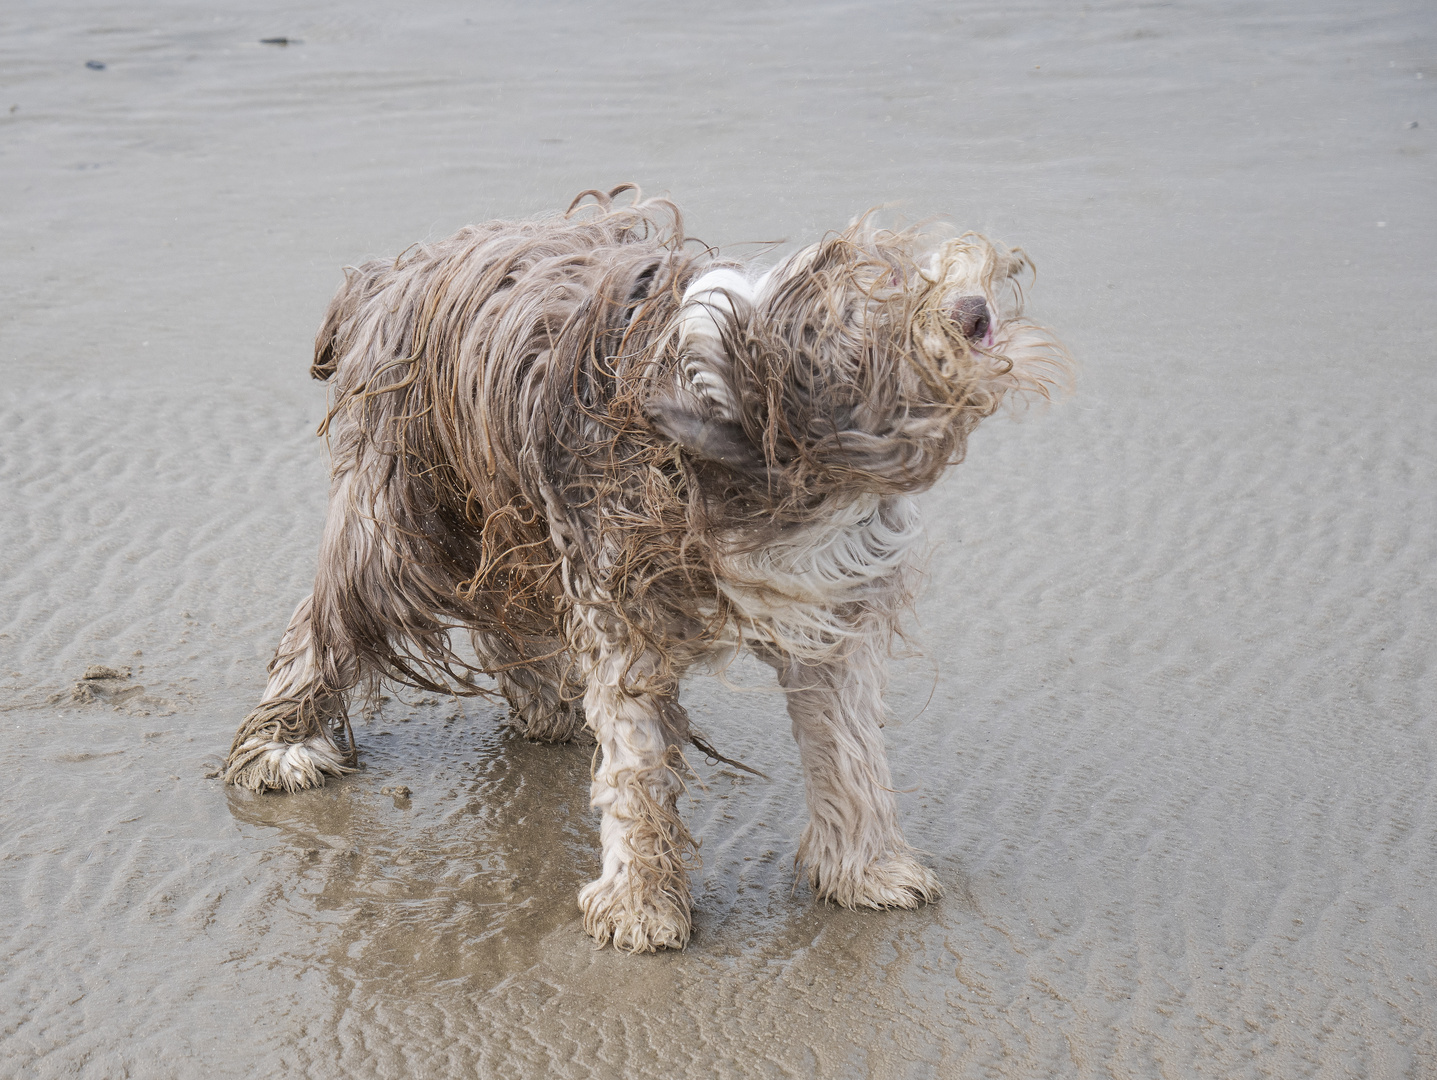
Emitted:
<point x="971" y="315"/>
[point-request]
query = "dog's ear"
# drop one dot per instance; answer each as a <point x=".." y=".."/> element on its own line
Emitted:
<point x="716" y="307"/>
<point x="707" y="437"/>
<point x="701" y="413"/>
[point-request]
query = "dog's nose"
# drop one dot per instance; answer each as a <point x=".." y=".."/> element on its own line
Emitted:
<point x="971" y="315"/>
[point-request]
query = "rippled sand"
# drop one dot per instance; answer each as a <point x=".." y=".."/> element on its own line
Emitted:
<point x="1171" y="748"/>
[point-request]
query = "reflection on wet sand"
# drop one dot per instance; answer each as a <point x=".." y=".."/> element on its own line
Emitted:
<point x="466" y="897"/>
<point x="483" y="862"/>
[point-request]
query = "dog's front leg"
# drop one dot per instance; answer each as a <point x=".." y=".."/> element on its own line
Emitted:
<point x="853" y="848"/>
<point x="641" y="901"/>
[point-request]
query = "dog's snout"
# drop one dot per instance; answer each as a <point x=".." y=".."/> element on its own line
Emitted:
<point x="971" y="315"/>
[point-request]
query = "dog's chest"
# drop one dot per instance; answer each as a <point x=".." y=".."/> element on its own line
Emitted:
<point x="854" y="550"/>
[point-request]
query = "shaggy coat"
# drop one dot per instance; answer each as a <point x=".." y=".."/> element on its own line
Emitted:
<point x="610" y="455"/>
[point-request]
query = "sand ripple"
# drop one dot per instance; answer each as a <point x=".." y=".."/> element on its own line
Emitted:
<point x="1172" y="750"/>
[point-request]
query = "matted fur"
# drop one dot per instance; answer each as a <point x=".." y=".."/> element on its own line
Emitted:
<point x="609" y="455"/>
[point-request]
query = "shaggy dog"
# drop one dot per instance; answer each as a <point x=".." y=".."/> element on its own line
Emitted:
<point x="611" y="455"/>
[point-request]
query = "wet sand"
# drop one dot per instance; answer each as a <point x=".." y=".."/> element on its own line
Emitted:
<point x="1171" y="749"/>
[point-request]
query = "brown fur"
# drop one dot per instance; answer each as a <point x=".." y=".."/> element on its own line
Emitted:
<point x="517" y="453"/>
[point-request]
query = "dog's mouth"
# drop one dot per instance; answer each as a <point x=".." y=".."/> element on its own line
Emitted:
<point x="974" y="320"/>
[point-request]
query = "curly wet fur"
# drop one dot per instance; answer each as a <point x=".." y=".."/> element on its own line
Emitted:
<point x="610" y="455"/>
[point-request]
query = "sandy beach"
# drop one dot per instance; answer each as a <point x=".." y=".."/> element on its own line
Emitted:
<point x="1171" y="741"/>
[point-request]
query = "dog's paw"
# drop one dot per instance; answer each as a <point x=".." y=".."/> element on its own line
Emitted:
<point x="261" y="763"/>
<point x="537" y="708"/>
<point x="898" y="881"/>
<point x="542" y="722"/>
<point x="636" y="915"/>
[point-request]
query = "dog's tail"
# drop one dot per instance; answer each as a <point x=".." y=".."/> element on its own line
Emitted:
<point x="333" y="339"/>
<point x="327" y="350"/>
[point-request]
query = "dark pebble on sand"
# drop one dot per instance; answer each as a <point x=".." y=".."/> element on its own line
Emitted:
<point x="278" y="41"/>
<point x="95" y="65"/>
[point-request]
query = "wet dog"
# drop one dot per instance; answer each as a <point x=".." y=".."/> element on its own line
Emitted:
<point x="610" y="456"/>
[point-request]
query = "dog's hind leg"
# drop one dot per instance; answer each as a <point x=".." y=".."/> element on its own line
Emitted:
<point x="641" y="901"/>
<point x="299" y="733"/>
<point x="853" y="847"/>
<point x="288" y="742"/>
<point x="542" y="692"/>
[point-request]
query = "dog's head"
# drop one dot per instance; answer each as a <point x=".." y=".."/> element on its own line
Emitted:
<point x="860" y="363"/>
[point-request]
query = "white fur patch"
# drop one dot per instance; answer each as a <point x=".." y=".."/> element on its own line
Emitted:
<point x="788" y="589"/>
<point x="289" y="766"/>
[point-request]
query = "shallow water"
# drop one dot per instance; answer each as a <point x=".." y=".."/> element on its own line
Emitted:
<point x="1171" y="749"/>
